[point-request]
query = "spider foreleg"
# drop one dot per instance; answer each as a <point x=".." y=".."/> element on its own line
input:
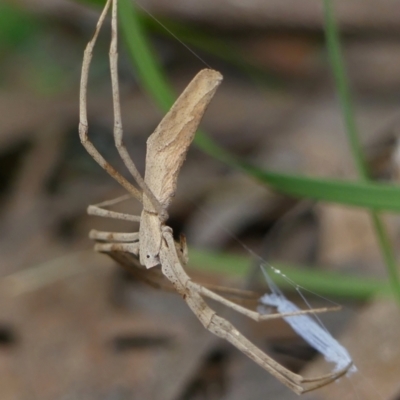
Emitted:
<point x="114" y="236"/>
<point x="132" y="248"/>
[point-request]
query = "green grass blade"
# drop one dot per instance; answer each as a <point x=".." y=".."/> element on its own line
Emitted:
<point x="333" y="42"/>
<point x="140" y="50"/>
<point x="314" y="279"/>
<point x="343" y="89"/>
<point x="360" y="194"/>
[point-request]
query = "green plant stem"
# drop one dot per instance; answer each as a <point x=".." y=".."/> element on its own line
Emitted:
<point x="141" y="53"/>
<point x="152" y="76"/>
<point x="335" y="53"/>
<point x="315" y="279"/>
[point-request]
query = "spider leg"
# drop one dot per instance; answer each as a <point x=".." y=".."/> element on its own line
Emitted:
<point x="225" y="330"/>
<point x="115" y="241"/>
<point x="100" y="210"/>
<point x="118" y="130"/>
<point x="173" y="270"/>
<point x="125" y="237"/>
<point x="83" y="120"/>
<point x="256" y="316"/>
<point x="132" y="248"/>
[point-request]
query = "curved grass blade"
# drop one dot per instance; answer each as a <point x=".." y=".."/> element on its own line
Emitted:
<point x="343" y="89"/>
<point x="374" y="196"/>
<point x="314" y="279"/>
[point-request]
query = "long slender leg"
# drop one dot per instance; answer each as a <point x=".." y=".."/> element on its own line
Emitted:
<point x="233" y="292"/>
<point x="173" y="271"/>
<point x="224" y="329"/>
<point x="132" y="248"/>
<point x="83" y="120"/>
<point x="118" y="130"/>
<point x="100" y="210"/>
<point x="253" y="314"/>
<point x="114" y="236"/>
<point x="114" y="201"/>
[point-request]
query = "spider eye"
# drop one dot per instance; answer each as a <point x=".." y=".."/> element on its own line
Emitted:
<point x="148" y="256"/>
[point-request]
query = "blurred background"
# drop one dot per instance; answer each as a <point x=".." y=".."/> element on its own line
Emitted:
<point x="74" y="325"/>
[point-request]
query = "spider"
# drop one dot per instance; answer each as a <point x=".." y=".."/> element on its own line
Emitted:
<point x="153" y="245"/>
